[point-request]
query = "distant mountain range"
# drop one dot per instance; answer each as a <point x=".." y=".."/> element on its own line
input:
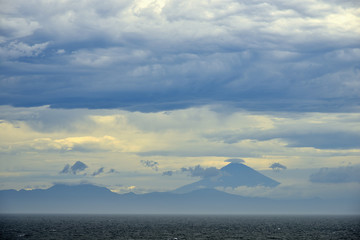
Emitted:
<point x="232" y="175"/>
<point x="91" y="199"/>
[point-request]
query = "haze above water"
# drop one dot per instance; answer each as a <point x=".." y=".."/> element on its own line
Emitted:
<point x="60" y="227"/>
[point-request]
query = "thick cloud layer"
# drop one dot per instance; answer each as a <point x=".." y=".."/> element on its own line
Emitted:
<point x="157" y="55"/>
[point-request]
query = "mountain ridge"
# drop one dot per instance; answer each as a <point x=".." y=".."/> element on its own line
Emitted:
<point x="202" y="201"/>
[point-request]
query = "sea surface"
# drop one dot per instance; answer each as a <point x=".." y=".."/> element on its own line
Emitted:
<point x="178" y="227"/>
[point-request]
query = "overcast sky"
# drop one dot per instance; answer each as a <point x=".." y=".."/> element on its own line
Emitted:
<point x="119" y="92"/>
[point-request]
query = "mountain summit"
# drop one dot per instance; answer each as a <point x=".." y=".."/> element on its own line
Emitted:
<point x="232" y="175"/>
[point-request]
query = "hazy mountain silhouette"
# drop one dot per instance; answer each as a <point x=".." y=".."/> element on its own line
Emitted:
<point x="90" y="199"/>
<point x="198" y="198"/>
<point x="232" y="175"/>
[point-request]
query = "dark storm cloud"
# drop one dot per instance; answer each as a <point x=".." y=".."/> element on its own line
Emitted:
<point x="66" y="169"/>
<point x="75" y="168"/>
<point x="337" y="175"/>
<point x="199" y="171"/>
<point x="235" y="160"/>
<point x="277" y="167"/>
<point x="97" y="172"/>
<point x="112" y="171"/>
<point x="283" y="56"/>
<point x="168" y="173"/>
<point x="150" y="164"/>
<point x="78" y="167"/>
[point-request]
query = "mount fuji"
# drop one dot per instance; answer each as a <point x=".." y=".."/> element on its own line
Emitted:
<point x="232" y="175"/>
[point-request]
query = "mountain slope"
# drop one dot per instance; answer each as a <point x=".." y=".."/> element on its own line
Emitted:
<point x="232" y="175"/>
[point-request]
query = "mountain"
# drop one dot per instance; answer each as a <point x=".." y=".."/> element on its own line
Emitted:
<point x="58" y="198"/>
<point x="232" y="175"/>
<point x="90" y="199"/>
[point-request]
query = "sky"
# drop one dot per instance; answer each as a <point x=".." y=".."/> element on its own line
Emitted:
<point x="128" y="94"/>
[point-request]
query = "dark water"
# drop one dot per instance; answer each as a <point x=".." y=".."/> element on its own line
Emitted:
<point x="178" y="227"/>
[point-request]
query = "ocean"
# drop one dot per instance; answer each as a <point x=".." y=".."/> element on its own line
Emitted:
<point x="178" y="227"/>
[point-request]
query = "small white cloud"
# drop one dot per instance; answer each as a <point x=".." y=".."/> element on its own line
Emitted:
<point x="17" y="49"/>
<point x="60" y="51"/>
